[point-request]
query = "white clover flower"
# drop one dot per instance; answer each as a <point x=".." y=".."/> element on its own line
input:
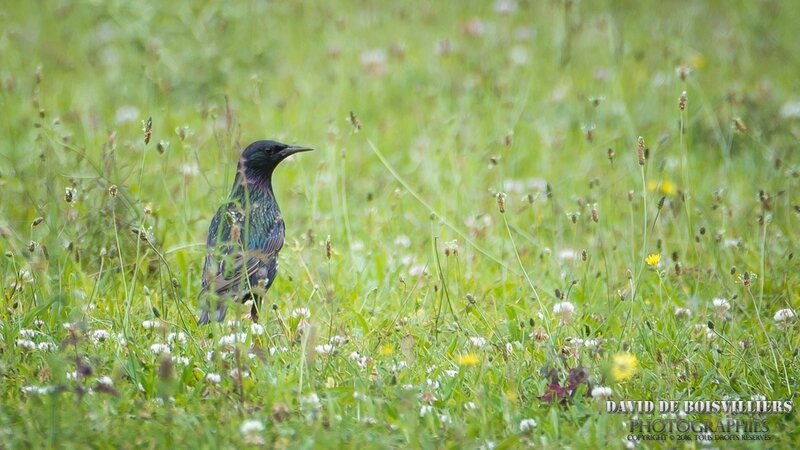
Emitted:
<point x="26" y="333"/>
<point x="417" y="270"/>
<point x="721" y="306"/>
<point x="369" y="420"/>
<point x="732" y="242"/>
<point x="323" y="349"/>
<point x="256" y="329"/>
<point x="105" y="380"/>
<point x="360" y="359"/>
<point x="312" y="401"/>
<point x="477" y="341"/>
<point x="25" y="276"/>
<point x="527" y="425"/>
<point x="337" y="340"/>
<point x="231" y="339"/>
<point x="433" y="384"/>
<point x="273" y="350"/>
<point x="251" y="430"/>
<point x="179" y="337"/>
<point x="451" y="247"/>
<point x="27" y="344"/>
<point x="783" y="315"/>
<point x="160" y="349"/>
<point x="601" y="392"/>
<point x="564" y="311"/>
<point x="567" y="254"/>
<point x="576" y="342"/>
<point x="444" y="418"/>
<point x="592" y="344"/>
<point x="425" y="410"/>
<point x="47" y="347"/>
<point x="236" y="374"/>
<point x="213" y="378"/>
<point x="683" y="313"/>
<point x="150" y="324"/>
<point x="181" y="360"/>
<point x="98" y="336"/>
<point x="400" y="365"/>
<point x="190" y="170"/>
<point x="302" y="313"/>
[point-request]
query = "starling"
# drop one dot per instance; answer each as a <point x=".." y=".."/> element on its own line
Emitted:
<point x="246" y="234"/>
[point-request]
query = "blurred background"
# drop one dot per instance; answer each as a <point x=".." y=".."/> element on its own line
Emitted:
<point x="463" y="100"/>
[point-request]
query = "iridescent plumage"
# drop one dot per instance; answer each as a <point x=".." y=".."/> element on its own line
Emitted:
<point x="246" y="234"/>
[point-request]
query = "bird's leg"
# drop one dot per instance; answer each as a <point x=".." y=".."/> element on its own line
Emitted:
<point x="222" y="309"/>
<point x="205" y="313"/>
<point x="254" y="308"/>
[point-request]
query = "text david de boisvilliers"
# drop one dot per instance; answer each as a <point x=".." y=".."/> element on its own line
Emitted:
<point x="700" y="406"/>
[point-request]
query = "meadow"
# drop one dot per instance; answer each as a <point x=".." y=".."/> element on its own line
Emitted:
<point x="516" y="211"/>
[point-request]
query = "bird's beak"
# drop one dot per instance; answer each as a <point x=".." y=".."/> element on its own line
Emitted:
<point x="292" y="149"/>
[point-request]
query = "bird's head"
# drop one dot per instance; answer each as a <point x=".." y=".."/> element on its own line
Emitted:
<point x="261" y="157"/>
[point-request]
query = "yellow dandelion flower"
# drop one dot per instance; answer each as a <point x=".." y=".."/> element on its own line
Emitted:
<point x="698" y="61"/>
<point x="624" y="366"/>
<point x="468" y="359"/>
<point x="653" y="259"/>
<point x="386" y="350"/>
<point x="666" y="187"/>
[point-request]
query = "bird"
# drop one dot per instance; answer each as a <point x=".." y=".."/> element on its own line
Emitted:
<point x="246" y="234"/>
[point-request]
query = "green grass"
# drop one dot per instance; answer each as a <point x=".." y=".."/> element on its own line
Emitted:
<point x="456" y="103"/>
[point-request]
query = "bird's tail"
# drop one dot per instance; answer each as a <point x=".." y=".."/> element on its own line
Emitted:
<point x="205" y="318"/>
<point x="222" y="308"/>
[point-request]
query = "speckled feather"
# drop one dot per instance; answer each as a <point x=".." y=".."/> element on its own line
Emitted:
<point x="244" y="239"/>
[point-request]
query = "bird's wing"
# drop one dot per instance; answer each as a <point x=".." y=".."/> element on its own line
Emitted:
<point x="234" y="266"/>
<point x="219" y="230"/>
